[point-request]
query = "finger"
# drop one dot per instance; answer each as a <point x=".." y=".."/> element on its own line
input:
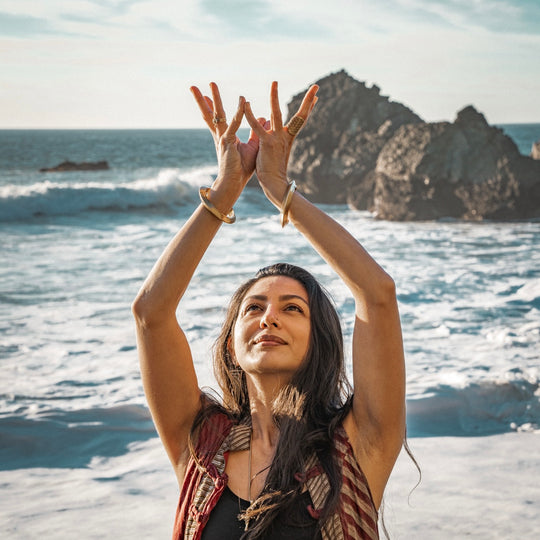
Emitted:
<point x="209" y="117"/>
<point x="219" y="111"/>
<point x="205" y="106"/>
<point x="216" y="96"/>
<point x="297" y="122"/>
<point x="237" y="118"/>
<point x="253" y="141"/>
<point x="308" y="102"/>
<point x="256" y="126"/>
<point x="294" y="125"/>
<point x="276" y="119"/>
<point x="313" y="104"/>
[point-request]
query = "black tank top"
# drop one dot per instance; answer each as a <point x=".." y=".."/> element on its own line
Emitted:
<point x="295" y="524"/>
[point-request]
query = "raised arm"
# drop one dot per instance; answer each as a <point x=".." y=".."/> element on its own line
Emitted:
<point x="376" y="424"/>
<point x="168" y="374"/>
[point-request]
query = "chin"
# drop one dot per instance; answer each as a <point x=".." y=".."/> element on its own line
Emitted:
<point x="271" y="367"/>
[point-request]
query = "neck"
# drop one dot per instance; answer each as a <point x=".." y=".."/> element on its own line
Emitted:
<point x="261" y="396"/>
<point x="264" y="439"/>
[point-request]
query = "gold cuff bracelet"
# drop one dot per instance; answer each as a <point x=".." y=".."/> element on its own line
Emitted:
<point x="203" y="195"/>
<point x="286" y="204"/>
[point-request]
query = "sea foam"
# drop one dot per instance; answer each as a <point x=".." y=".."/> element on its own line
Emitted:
<point x="170" y="188"/>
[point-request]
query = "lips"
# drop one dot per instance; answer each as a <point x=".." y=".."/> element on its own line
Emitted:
<point x="270" y="339"/>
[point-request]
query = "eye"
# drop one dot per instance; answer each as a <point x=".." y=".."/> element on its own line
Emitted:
<point x="252" y="307"/>
<point x="294" y="307"/>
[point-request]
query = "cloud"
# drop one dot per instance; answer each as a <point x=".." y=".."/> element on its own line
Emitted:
<point x="74" y="19"/>
<point x="24" y="26"/>
<point x="346" y="21"/>
<point x="497" y="16"/>
<point x="435" y="56"/>
<point x="264" y="20"/>
<point x="118" y="7"/>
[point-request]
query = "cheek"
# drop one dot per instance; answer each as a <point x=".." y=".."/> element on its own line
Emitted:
<point x="236" y="339"/>
<point x="307" y="338"/>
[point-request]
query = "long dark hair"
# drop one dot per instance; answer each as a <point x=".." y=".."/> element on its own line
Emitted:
<point x="307" y="410"/>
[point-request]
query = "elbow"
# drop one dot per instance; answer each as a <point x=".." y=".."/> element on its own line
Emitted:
<point x="384" y="294"/>
<point x="388" y="285"/>
<point x="145" y="312"/>
<point x="139" y="309"/>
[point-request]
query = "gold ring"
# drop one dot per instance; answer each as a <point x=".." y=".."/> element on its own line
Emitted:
<point x="295" y="125"/>
<point x="216" y="120"/>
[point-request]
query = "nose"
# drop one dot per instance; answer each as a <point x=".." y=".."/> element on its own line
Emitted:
<point x="269" y="318"/>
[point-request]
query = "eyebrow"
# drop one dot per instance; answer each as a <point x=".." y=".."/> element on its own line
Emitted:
<point x="282" y="298"/>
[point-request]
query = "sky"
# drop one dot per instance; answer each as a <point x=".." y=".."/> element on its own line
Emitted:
<point x="130" y="63"/>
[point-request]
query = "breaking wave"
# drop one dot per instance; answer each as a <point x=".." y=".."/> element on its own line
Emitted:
<point x="482" y="408"/>
<point x="168" y="190"/>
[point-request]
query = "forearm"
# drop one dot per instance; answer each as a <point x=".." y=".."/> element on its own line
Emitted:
<point x="169" y="278"/>
<point x="368" y="282"/>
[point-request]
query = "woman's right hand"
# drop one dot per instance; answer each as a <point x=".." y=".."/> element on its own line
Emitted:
<point x="236" y="160"/>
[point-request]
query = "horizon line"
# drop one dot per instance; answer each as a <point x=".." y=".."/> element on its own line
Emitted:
<point x="163" y="128"/>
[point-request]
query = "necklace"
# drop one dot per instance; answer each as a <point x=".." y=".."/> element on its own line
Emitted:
<point x="251" y="478"/>
<point x="250" y="481"/>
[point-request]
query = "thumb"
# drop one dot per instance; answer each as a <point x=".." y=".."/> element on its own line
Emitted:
<point x="253" y="141"/>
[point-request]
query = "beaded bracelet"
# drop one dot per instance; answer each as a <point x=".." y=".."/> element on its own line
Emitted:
<point x="286" y="204"/>
<point x="203" y="195"/>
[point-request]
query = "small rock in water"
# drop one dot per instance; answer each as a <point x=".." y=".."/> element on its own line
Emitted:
<point x="67" y="166"/>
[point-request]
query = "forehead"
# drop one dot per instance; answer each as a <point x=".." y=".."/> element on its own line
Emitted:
<point x="277" y="286"/>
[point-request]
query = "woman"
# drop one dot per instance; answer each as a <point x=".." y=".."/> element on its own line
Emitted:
<point x="288" y="454"/>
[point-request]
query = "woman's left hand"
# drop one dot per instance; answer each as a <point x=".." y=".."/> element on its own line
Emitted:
<point x="275" y="142"/>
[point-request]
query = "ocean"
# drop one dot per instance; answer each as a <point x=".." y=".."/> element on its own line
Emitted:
<point x="76" y="247"/>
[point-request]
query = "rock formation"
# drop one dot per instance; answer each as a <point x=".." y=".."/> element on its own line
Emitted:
<point x="339" y="145"/>
<point x="360" y="148"/>
<point x="67" y="166"/>
<point x="465" y="170"/>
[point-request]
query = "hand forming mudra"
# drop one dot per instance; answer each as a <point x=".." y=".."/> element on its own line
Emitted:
<point x="267" y="150"/>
